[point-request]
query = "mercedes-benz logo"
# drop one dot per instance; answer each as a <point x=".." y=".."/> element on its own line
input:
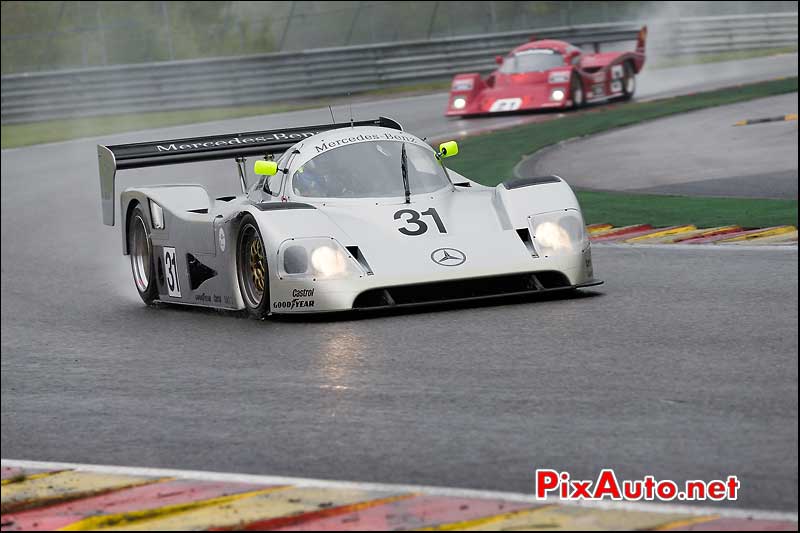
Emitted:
<point x="449" y="257"/>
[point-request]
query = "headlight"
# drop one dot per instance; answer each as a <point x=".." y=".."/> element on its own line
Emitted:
<point x="329" y="261"/>
<point x="558" y="77"/>
<point x="557" y="95"/>
<point x="156" y="215"/>
<point x="559" y="233"/>
<point x="459" y="103"/>
<point x="295" y="260"/>
<point x="317" y="258"/>
<point x="551" y="236"/>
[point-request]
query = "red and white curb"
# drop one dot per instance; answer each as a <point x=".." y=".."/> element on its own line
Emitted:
<point x="691" y="234"/>
<point x="50" y="496"/>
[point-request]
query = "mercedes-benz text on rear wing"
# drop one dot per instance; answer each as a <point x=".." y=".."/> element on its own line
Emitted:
<point x="228" y="146"/>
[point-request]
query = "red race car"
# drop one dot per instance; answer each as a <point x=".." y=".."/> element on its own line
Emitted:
<point x="548" y="74"/>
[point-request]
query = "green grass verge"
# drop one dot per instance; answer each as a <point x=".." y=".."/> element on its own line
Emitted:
<point x="699" y="59"/>
<point x="621" y="209"/>
<point x="16" y="135"/>
<point x="492" y="157"/>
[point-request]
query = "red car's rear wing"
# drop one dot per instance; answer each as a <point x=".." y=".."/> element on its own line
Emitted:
<point x="641" y="39"/>
<point x="175" y="151"/>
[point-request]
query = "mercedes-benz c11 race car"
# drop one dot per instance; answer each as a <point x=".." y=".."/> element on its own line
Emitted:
<point x="340" y="217"/>
<point x="548" y="74"/>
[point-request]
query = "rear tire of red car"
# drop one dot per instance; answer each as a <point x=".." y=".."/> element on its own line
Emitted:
<point x="628" y="81"/>
<point x="576" y="92"/>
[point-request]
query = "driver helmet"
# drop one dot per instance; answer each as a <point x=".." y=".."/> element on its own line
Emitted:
<point x="308" y="181"/>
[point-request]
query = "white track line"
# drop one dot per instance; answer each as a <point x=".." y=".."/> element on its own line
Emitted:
<point x="384" y="487"/>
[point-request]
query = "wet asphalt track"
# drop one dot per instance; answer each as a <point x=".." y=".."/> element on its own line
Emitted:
<point x="684" y="365"/>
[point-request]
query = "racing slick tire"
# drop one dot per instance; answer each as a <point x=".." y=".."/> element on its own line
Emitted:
<point x="576" y="93"/>
<point x="252" y="268"/>
<point x="140" y="248"/>
<point x="628" y="81"/>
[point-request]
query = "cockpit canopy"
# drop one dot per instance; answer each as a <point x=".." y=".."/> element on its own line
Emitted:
<point x="532" y="60"/>
<point x="371" y="169"/>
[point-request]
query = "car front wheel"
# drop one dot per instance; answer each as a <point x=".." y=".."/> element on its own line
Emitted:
<point x="576" y="92"/>
<point x="252" y="268"/>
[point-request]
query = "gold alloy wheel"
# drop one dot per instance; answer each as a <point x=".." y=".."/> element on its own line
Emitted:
<point x="252" y="266"/>
<point x="257" y="270"/>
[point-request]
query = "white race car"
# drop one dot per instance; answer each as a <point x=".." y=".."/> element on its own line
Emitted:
<point x="344" y="216"/>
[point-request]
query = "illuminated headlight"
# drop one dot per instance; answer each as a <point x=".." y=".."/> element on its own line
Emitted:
<point x="558" y="77"/>
<point x="557" y="95"/>
<point x="329" y="262"/>
<point x="317" y="258"/>
<point x="156" y="215"/>
<point x="559" y="233"/>
<point x="462" y="85"/>
<point x="459" y="103"/>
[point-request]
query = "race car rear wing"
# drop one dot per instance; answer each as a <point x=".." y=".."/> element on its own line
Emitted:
<point x="175" y="151"/>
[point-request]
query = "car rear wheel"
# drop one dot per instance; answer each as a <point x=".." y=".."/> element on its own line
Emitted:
<point x="628" y="82"/>
<point x="576" y="92"/>
<point x="252" y="268"/>
<point x="140" y="249"/>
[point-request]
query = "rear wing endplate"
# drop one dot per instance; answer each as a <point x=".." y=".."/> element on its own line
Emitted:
<point x="175" y="151"/>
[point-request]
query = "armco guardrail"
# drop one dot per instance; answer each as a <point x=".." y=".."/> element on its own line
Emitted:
<point x="732" y="33"/>
<point x="337" y="71"/>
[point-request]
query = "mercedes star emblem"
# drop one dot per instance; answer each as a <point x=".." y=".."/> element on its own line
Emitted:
<point x="448" y="257"/>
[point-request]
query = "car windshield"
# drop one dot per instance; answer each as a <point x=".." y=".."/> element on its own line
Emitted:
<point x="369" y="170"/>
<point x="532" y="61"/>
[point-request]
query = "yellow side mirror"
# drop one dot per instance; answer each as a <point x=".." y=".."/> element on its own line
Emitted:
<point x="266" y="168"/>
<point x="448" y="149"/>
